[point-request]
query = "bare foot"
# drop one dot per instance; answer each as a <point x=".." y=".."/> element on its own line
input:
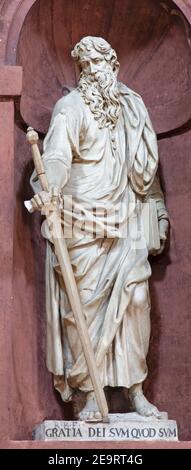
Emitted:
<point x="90" y="412"/>
<point x="142" y="406"/>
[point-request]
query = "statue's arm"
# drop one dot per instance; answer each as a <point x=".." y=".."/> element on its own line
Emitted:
<point x="59" y="145"/>
<point x="58" y="149"/>
<point x="142" y="144"/>
<point x="57" y="154"/>
<point x="155" y="194"/>
<point x="143" y="150"/>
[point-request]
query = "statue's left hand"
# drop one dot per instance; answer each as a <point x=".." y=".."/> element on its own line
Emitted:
<point x="163" y="232"/>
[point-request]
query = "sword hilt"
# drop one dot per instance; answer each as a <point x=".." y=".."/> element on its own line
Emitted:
<point x="32" y="139"/>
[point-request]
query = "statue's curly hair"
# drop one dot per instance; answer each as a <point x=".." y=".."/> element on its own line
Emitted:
<point x="100" y="45"/>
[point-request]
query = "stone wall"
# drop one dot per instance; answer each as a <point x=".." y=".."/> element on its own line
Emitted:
<point x="153" y="46"/>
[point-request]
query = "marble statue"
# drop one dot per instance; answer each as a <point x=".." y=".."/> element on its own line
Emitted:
<point x="100" y="154"/>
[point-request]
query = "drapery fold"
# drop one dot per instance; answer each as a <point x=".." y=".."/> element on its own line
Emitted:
<point x="101" y="178"/>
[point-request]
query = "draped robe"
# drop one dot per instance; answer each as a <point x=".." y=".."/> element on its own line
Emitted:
<point x="105" y="172"/>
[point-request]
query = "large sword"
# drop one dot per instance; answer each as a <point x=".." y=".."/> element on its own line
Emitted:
<point x="61" y="252"/>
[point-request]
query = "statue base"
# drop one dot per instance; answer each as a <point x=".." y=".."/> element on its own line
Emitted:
<point x="121" y="427"/>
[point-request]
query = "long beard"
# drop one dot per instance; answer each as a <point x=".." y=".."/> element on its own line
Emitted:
<point x="101" y="94"/>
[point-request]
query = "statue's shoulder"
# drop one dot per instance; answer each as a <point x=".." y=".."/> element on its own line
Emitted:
<point x="132" y="95"/>
<point x="125" y="90"/>
<point x="68" y="103"/>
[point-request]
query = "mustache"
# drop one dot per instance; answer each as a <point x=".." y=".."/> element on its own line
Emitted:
<point x="100" y="91"/>
<point x="100" y="77"/>
<point x="103" y="82"/>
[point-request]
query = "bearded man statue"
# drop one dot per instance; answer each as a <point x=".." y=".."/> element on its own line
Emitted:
<point x="101" y="153"/>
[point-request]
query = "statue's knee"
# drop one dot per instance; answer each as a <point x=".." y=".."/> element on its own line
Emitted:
<point x="140" y="297"/>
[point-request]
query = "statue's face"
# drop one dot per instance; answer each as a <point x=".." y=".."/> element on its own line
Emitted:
<point x="94" y="62"/>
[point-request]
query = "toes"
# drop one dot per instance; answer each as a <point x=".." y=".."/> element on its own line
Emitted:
<point x="153" y="411"/>
<point x="157" y="414"/>
<point x="83" y="416"/>
<point x="93" y="416"/>
<point x="144" y="411"/>
<point x="149" y="411"/>
<point x="90" y="416"/>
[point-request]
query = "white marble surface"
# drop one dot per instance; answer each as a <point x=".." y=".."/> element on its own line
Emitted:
<point x="122" y="427"/>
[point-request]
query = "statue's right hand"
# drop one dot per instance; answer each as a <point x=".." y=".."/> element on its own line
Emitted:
<point x="44" y="198"/>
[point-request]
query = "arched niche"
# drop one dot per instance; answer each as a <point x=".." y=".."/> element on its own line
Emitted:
<point x="14" y="12"/>
<point x="152" y="40"/>
<point x="155" y="62"/>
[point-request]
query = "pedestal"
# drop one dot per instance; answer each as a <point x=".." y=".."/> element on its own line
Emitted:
<point x="121" y="427"/>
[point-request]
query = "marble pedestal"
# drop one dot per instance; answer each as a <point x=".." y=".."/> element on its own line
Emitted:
<point x="121" y="427"/>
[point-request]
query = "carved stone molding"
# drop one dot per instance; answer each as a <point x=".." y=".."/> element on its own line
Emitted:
<point x="12" y="17"/>
<point x="26" y="394"/>
<point x="152" y="46"/>
<point x="185" y="7"/>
